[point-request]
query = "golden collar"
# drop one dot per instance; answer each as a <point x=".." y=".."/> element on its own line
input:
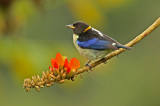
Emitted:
<point x="87" y="29"/>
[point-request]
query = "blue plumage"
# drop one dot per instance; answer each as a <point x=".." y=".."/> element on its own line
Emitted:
<point x="94" y="43"/>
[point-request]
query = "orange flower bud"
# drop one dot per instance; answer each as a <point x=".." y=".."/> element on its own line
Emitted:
<point x="74" y="63"/>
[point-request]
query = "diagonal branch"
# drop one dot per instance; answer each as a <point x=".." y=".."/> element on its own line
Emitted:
<point x="131" y="43"/>
<point x="59" y="75"/>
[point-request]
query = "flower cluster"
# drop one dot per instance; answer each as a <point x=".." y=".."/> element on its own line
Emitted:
<point x="61" y="62"/>
<point x="61" y="69"/>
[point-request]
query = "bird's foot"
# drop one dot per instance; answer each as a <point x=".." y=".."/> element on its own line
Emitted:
<point x="90" y="67"/>
<point x="87" y="64"/>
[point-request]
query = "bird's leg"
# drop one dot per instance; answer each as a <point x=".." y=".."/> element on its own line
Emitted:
<point x="87" y="64"/>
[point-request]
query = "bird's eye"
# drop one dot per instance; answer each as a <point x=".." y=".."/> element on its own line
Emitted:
<point x="78" y="26"/>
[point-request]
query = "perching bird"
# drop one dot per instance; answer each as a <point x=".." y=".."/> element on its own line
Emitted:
<point x="91" y="43"/>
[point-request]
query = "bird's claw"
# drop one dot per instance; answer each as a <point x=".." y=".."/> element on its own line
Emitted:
<point x="90" y="67"/>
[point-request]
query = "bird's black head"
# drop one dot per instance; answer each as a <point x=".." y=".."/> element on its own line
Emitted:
<point x="79" y="27"/>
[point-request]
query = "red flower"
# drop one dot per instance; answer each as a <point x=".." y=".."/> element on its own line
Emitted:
<point x="61" y="61"/>
<point x="74" y="63"/>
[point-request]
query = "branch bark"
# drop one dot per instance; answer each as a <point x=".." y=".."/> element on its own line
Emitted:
<point x="130" y="44"/>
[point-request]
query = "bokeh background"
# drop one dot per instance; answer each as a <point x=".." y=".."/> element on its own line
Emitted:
<point x="32" y="32"/>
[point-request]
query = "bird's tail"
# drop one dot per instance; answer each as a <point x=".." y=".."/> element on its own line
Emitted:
<point x="124" y="47"/>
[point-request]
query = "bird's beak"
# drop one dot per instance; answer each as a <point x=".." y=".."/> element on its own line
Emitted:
<point x="70" y="26"/>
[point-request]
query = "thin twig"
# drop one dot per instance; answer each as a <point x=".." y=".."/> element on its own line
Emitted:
<point x="117" y="52"/>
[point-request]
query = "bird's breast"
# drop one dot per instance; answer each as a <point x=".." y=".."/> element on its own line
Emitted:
<point x="90" y="54"/>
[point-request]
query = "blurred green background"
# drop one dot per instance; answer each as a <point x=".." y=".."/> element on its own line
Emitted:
<point x="32" y="32"/>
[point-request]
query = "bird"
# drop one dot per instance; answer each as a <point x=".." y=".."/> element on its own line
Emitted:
<point x="91" y="43"/>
